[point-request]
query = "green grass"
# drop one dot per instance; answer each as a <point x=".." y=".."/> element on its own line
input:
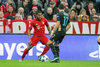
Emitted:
<point x="36" y="63"/>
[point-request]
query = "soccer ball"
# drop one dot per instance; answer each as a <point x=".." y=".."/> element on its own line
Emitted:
<point x="44" y="58"/>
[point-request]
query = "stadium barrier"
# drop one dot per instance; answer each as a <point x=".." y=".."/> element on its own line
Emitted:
<point x="77" y="27"/>
<point x="73" y="47"/>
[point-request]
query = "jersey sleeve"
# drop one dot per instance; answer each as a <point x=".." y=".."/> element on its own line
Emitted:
<point x="46" y="22"/>
<point x="30" y="25"/>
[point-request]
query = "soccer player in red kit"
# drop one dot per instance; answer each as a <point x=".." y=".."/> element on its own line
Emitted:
<point x="39" y="32"/>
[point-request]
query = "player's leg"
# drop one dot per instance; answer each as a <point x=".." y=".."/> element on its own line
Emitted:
<point x="46" y="41"/>
<point x="26" y="51"/>
<point x="57" y="45"/>
<point x="98" y="40"/>
<point x="45" y="50"/>
<point x="53" y="38"/>
<point x="34" y="40"/>
<point x="57" y="48"/>
<point x="57" y="52"/>
<point x="43" y="40"/>
<point x="59" y="40"/>
<point x="50" y="44"/>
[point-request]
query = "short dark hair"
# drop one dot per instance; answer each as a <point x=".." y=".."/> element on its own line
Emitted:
<point x="38" y="12"/>
<point x="52" y="2"/>
<point x="78" y="3"/>
<point x="61" y="6"/>
<point x="90" y="2"/>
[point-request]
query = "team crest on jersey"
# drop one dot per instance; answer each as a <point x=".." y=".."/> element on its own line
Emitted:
<point x="38" y="27"/>
<point x="36" y="24"/>
<point x="43" y="22"/>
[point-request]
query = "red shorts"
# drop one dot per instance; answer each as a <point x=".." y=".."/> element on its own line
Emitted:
<point x="36" y="39"/>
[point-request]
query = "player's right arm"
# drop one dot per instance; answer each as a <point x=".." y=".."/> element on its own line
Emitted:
<point x="29" y="32"/>
<point x="29" y="36"/>
<point x="57" y="24"/>
<point x="55" y="27"/>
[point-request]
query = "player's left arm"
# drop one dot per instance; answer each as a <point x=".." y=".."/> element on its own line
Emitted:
<point x="68" y="27"/>
<point x="48" y="27"/>
<point x="29" y="32"/>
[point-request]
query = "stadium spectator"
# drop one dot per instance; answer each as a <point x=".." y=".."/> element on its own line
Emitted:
<point x="33" y="12"/>
<point x="54" y="1"/>
<point x="76" y="1"/>
<point x="34" y="3"/>
<point x="10" y="3"/>
<point x="78" y="7"/>
<point x="57" y="2"/>
<point x="2" y="7"/>
<point x="95" y="18"/>
<point x="84" y="18"/>
<point x="4" y="2"/>
<point x="89" y="8"/>
<point x="73" y="15"/>
<point x="68" y="3"/>
<point x="17" y="17"/>
<point x="10" y="14"/>
<point x="49" y="14"/>
<point x="97" y="6"/>
<point x="21" y="13"/>
<point x="26" y="8"/>
<point x="44" y="3"/>
<point x="29" y="17"/>
<point x="26" y="1"/>
<point x="1" y="15"/>
<point x="84" y="15"/>
<point x="92" y="14"/>
<point x="18" y="4"/>
<point x="66" y="9"/>
<point x="29" y="4"/>
<point x="99" y="17"/>
<point x="52" y="5"/>
<point x="54" y="17"/>
<point x="94" y="1"/>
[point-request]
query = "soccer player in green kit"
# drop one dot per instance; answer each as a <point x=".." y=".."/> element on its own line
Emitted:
<point x="59" y="32"/>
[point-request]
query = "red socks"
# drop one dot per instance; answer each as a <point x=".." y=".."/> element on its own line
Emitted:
<point x="24" y="53"/>
<point x="45" y="50"/>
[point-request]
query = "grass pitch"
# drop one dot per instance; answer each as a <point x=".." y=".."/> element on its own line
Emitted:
<point x="36" y="63"/>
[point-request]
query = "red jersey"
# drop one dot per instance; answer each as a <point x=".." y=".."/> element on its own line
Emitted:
<point x="8" y="14"/>
<point x="39" y="26"/>
<point x="2" y="8"/>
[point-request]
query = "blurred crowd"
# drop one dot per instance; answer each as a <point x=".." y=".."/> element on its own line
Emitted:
<point x="78" y="10"/>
